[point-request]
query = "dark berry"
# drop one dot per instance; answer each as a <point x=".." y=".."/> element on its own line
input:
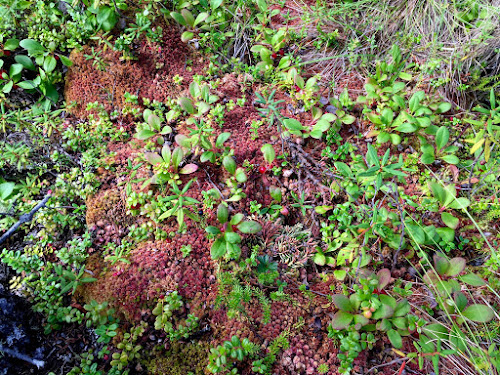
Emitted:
<point x="281" y="52"/>
<point x="274" y="55"/>
<point x="262" y="169"/>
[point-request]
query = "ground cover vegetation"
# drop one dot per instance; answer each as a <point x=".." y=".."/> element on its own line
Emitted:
<point x="249" y="187"/>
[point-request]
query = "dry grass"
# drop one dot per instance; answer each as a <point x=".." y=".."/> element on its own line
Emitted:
<point x="467" y="52"/>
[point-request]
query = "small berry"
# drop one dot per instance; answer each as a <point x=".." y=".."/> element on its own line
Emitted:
<point x="57" y="57"/>
<point x="274" y="56"/>
<point x="6" y="53"/>
<point x="281" y="52"/>
<point x="106" y="357"/>
<point x="367" y="314"/>
<point x="262" y="169"/>
<point x="297" y="88"/>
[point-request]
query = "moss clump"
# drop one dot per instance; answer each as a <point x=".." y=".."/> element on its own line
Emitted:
<point x="181" y="359"/>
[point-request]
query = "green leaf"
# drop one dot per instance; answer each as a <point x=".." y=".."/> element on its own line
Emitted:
<point x="342" y="302"/>
<point x="15" y="69"/>
<point x="450" y="159"/>
<point x="188" y="169"/>
<point x="178" y="17"/>
<point x="153" y="158"/>
<point x="49" y="64"/>
<point x="402" y="308"/>
<point x="218" y="249"/>
<point x="340" y="274"/>
<point x="341" y="320"/>
<point x="406" y="128"/>
<point x="292" y="124"/>
<point x="472" y="279"/>
<point x="415" y="232"/>
<point x="177" y="156"/>
<point x="319" y="258"/>
<point x="32" y="46"/>
<point x="11" y="44"/>
<point x="441" y="264"/>
<point x="25" y="61"/>
<point x="222" y="213"/>
<point x="443" y="107"/>
<point x="212" y="230"/>
<point x="457" y="265"/>
<point x="405" y="76"/>
<point x="268" y="152"/>
<point x="223" y="137"/>
<point x="479" y="313"/>
<point x="200" y="18"/>
<point x="262" y="4"/>
<point x="106" y="18"/>
<point x="154" y="121"/>
<point x="145" y="134"/>
<point x="232" y="237"/>
<point x="343" y="168"/>
<point x="229" y="163"/>
<point x="436" y="331"/>
<point x="6" y="189"/>
<point x="395" y="338"/>
<point x="214" y="4"/>
<point x="66" y="61"/>
<point x="372" y="157"/>
<point x="187" y="36"/>
<point x="459" y="203"/>
<point x="8" y="87"/>
<point x="446" y="234"/>
<point x="438" y="192"/>
<point x="460" y="300"/>
<point x="187" y="105"/>
<point x="449" y="220"/>
<point x="249" y="227"/>
<point x="442" y="137"/>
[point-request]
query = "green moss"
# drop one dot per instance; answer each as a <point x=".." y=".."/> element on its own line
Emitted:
<point x="181" y="359"/>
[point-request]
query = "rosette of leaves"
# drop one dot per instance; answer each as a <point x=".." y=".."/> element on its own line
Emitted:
<point x="227" y="243"/>
<point x="267" y="270"/>
<point x="446" y="154"/>
<point x="320" y="124"/>
<point x="418" y="115"/>
<point x="446" y="197"/>
<point x="166" y="165"/>
<point x="214" y="152"/>
<point x="152" y="127"/>
<point x="370" y="309"/>
<point x="202" y="101"/>
<point x="46" y="63"/>
<point x="237" y="176"/>
<point x="179" y="203"/>
<point x="444" y="278"/>
<point x="270" y="58"/>
<point x="235" y="349"/>
<point x="186" y="18"/>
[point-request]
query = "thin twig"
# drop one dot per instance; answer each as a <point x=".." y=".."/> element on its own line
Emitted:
<point x="39" y="364"/>
<point x="25" y="218"/>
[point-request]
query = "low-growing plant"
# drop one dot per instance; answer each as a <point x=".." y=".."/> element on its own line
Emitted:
<point x="228" y="239"/>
